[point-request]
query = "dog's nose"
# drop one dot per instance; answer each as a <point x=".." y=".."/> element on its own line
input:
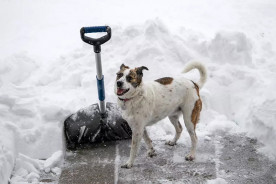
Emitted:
<point x="119" y="84"/>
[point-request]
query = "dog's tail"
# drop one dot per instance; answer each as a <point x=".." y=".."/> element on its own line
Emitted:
<point x="202" y="70"/>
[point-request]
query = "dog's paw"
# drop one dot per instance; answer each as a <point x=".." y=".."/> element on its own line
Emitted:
<point x="151" y="153"/>
<point x="170" y="143"/>
<point x="126" y="165"/>
<point x="190" y="157"/>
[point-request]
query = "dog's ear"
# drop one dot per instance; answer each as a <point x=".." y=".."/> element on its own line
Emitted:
<point x="122" y="67"/>
<point x="139" y="70"/>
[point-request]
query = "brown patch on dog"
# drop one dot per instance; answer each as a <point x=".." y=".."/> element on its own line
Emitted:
<point x="197" y="88"/>
<point x="121" y="72"/>
<point x="135" y="76"/>
<point x="165" y="80"/>
<point x="197" y="107"/>
<point x="196" y="112"/>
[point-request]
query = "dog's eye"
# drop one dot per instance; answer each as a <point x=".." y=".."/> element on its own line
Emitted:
<point x="128" y="78"/>
<point x="119" y="75"/>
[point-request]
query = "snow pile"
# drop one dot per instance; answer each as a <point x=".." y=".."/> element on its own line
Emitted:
<point x="28" y="169"/>
<point x="7" y="153"/>
<point x="54" y="161"/>
<point x="56" y="77"/>
<point x="230" y="47"/>
<point x="262" y="117"/>
<point x="71" y="82"/>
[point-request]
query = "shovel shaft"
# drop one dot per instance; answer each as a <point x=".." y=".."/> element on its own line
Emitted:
<point x="100" y="82"/>
<point x="99" y="65"/>
<point x="97" y="42"/>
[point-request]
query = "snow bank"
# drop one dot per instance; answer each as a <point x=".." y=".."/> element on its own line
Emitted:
<point x="261" y="124"/>
<point x="230" y="47"/>
<point x="38" y="111"/>
<point x="53" y="161"/>
<point x="28" y="169"/>
<point x="7" y="152"/>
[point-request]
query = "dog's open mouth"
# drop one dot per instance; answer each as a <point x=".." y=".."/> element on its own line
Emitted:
<point x="120" y="91"/>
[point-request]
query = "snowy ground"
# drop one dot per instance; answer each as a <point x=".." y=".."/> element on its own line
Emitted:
<point x="47" y="72"/>
<point x="221" y="158"/>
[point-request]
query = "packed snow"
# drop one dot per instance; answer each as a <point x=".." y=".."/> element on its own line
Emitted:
<point x="28" y="169"/>
<point x="47" y="72"/>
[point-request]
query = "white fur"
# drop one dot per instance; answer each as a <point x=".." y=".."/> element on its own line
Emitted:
<point x="202" y="71"/>
<point x="151" y="102"/>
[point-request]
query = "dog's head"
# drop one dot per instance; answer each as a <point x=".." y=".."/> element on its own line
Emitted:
<point x="128" y="81"/>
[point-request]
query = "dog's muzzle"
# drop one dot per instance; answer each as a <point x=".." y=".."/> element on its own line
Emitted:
<point x="121" y="91"/>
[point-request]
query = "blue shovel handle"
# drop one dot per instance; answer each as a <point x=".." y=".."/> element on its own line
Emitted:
<point x="96" y="29"/>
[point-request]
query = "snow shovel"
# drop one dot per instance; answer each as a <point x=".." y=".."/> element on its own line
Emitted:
<point x="98" y="122"/>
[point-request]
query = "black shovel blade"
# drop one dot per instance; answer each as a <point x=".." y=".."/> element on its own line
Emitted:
<point x="88" y="125"/>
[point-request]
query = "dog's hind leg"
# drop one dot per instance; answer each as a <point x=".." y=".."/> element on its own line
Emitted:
<point x="148" y="141"/>
<point x="191" y="130"/>
<point x="178" y="129"/>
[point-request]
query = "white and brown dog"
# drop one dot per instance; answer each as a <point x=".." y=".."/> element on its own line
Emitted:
<point x="144" y="104"/>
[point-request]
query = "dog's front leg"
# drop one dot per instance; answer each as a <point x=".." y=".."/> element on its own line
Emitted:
<point x="137" y="133"/>
<point x="148" y="141"/>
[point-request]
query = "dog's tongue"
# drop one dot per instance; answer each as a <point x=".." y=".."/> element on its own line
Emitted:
<point x="120" y="91"/>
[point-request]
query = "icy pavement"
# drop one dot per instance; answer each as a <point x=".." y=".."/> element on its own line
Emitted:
<point x="222" y="157"/>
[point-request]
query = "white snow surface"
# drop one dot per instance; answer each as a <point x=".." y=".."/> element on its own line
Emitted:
<point x="217" y="181"/>
<point x="47" y="72"/>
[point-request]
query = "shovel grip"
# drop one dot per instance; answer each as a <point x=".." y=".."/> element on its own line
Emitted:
<point x="95" y="41"/>
<point x="95" y="29"/>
